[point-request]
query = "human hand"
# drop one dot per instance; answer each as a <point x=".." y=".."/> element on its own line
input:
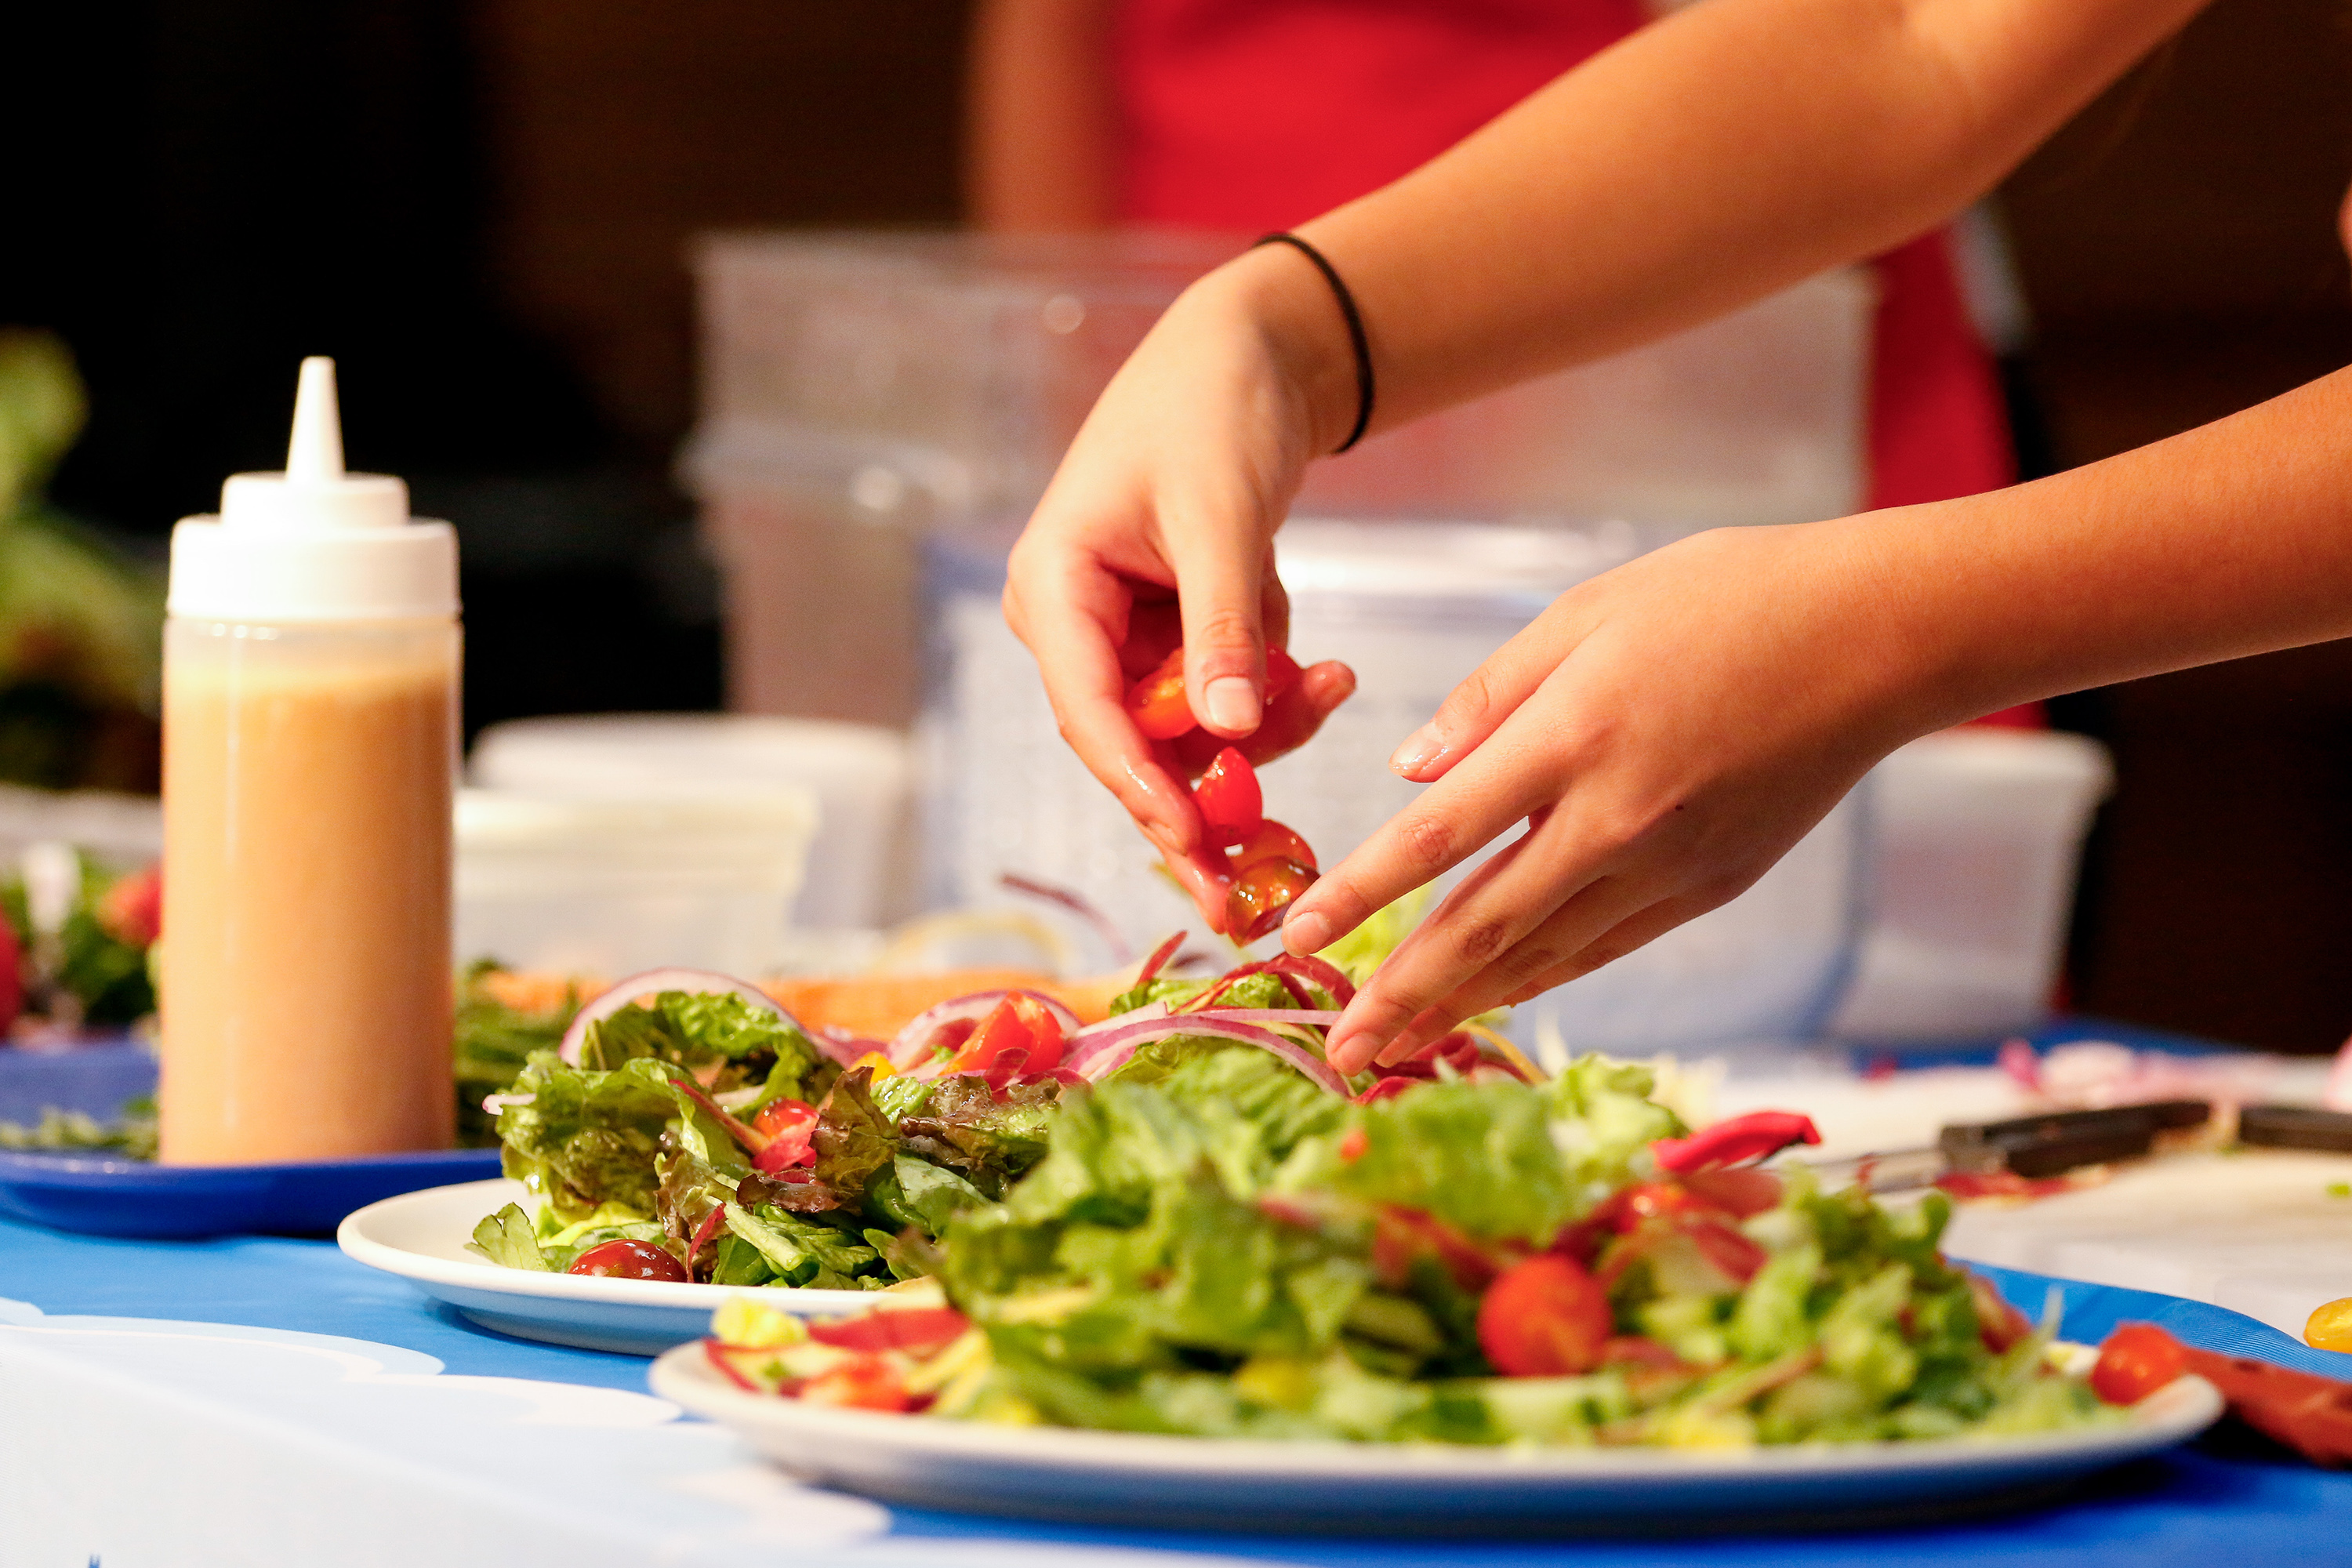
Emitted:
<point x="1666" y="730"/>
<point x="1157" y="529"/>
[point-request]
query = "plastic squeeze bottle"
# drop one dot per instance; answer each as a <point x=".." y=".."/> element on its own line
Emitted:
<point x="310" y="666"/>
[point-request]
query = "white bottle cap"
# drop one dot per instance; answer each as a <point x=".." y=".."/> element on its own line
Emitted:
<point x="313" y="543"/>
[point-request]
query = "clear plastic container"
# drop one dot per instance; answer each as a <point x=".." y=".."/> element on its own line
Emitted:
<point x="863" y="392"/>
<point x="608" y="888"/>
<point x="1977" y="836"/>
<point x="1414" y="608"/>
<point x="859" y="864"/>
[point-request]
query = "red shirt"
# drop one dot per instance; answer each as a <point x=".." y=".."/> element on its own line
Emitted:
<point x="1259" y="114"/>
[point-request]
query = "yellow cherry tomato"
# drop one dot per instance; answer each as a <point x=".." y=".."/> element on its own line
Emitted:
<point x="2330" y="1327"/>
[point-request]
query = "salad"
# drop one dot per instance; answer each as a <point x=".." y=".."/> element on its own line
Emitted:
<point x="1229" y="1250"/>
<point x="687" y="1128"/>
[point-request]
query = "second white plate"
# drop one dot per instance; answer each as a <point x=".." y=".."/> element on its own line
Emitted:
<point x="422" y="1236"/>
<point x="1205" y="1483"/>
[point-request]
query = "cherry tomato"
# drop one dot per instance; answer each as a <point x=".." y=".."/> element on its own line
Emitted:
<point x="1018" y="1022"/>
<point x="2329" y="1327"/>
<point x="1230" y="803"/>
<point x="790" y="1127"/>
<point x="1544" y="1318"/>
<point x="2138" y="1359"/>
<point x="1271" y="841"/>
<point x="1045" y="1040"/>
<point x="1157" y="702"/>
<point x="779" y="1117"/>
<point x="860" y="1382"/>
<point x="628" y="1260"/>
<point x="1254" y="907"/>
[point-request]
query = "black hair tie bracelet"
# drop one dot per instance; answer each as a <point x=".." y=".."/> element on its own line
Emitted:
<point x="1356" y="338"/>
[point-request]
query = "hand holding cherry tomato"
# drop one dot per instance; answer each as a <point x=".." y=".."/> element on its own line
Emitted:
<point x="1269" y="865"/>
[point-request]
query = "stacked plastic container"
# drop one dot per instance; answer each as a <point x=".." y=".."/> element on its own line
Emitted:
<point x="863" y="392"/>
<point x="881" y="412"/>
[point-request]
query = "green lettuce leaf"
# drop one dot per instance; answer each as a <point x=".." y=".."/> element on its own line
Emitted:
<point x="853" y="1140"/>
<point x="703" y="1031"/>
<point x="916" y="1193"/>
<point x="802" y="1252"/>
<point x="506" y="1240"/>
<point x="586" y="1139"/>
<point x="1605" y="1121"/>
<point x="989" y="1137"/>
<point x="1479" y="1156"/>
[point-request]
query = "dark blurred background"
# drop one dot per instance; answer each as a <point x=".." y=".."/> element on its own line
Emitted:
<point x="482" y="210"/>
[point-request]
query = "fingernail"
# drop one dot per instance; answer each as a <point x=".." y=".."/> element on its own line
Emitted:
<point x="1232" y="704"/>
<point x="1337" y="1049"/>
<point x="1305" y="932"/>
<point x="1420" y="748"/>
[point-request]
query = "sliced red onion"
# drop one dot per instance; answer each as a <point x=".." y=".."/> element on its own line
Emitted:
<point x="497" y="1102"/>
<point x="653" y="983"/>
<point x="1077" y="903"/>
<point x="1111" y="1051"/>
<point x="1323" y="972"/>
<point x="1159" y="960"/>
<point x="911" y="1042"/>
<point x="1321" y="1018"/>
<point x="1143" y="1014"/>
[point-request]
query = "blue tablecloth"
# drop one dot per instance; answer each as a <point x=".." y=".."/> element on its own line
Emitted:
<point x="2196" y="1507"/>
<point x="2207" y="1504"/>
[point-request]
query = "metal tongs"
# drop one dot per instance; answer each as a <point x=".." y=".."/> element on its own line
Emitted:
<point x="2028" y="1147"/>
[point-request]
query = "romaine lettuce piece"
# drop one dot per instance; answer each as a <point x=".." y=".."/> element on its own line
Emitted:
<point x="506" y="1239"/>
<point x="585" y="1139"/>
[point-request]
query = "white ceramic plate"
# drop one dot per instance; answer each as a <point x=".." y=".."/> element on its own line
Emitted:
<point x="1200" y="1483"/>
<point x="421" y="1238"/>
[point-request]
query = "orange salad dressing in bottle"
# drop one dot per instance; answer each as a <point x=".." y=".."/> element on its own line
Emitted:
<point x="310" y="671"/>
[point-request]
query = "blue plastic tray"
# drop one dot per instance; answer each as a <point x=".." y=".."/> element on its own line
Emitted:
<point x="104" y="1195"/>
<point x="98" y="1194"/>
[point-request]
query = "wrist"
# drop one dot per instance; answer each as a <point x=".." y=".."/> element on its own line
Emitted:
<point x="1280" y="299"/>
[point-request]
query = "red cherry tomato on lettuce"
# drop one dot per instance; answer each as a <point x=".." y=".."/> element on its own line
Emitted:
<point x="1230" y="801"/>
<point x="1271" y="841"/>
<point x="1255" y="903"/>
<point x="790" y="1127"/>
<point x="1544" y="1318"/>
<point x="1018" y="1022"/>
<point x="1157" y="702"/>
<point x="626" y="1259"/>
<point x="2138" y="1359"/>
<point x="780" y="1117"/>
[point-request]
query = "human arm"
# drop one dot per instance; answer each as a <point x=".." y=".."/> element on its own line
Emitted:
<point x="1042" y="117"/>
<point x="1669" y="729"/>
<point x="1708" y="159"/>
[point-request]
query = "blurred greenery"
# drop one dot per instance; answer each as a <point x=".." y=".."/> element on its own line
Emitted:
<point x="494" y="1035"/>
<point x="105" y="970"/>
<point x="80" y="624"/>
